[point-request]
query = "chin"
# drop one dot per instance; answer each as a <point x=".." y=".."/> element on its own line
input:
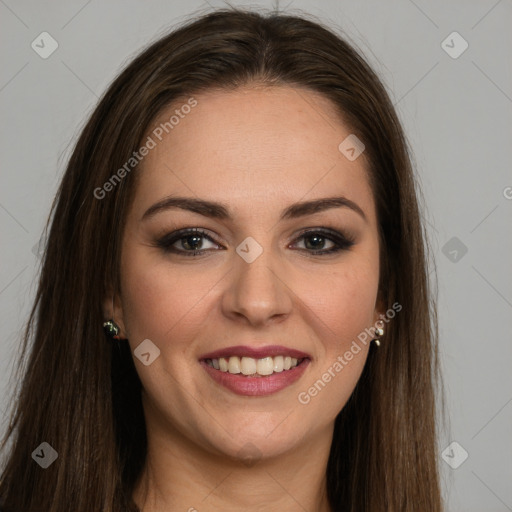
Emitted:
<point x="260" y="439"/>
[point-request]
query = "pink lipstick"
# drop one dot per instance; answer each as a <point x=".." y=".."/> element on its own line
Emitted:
<point x="251" y="371"/>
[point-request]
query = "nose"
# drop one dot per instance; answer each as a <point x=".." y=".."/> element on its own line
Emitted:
<point x="257" y="293"/>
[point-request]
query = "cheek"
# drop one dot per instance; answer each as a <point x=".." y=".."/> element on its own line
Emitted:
<point x="145" y="296"/>
<point x="157" y="297"/>
<point x="343" y="301"/>
<point x="343" y="308"/>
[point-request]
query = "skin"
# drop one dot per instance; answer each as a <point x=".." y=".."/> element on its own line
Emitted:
<point x="257" y="150"/>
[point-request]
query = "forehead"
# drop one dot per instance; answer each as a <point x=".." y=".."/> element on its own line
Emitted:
<point x="252" y="147"/>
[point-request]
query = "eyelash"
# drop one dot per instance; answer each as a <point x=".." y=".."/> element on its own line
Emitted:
<point x="343" y="242"/>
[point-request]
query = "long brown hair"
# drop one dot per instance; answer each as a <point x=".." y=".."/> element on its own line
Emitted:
<point x="80" y="393"/>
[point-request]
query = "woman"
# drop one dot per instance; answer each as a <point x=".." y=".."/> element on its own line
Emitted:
<point x="240" y="217"/>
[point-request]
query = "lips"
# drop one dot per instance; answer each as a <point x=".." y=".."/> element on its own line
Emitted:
<point x="253" y="371"/>
<point x="256" y="353"/>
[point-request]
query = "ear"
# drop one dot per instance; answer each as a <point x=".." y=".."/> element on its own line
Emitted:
<point x="380" y="309"/>
<point x="113" y="310"/>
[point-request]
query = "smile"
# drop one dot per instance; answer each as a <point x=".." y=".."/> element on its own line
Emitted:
<point x="253" y="371"/>
<point x="252" y="367"/>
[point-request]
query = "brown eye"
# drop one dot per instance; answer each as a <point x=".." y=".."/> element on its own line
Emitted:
<point x="192" y="242"/>
<point x="317" y="239"/>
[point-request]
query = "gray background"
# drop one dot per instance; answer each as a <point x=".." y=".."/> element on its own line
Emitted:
<point x="456" y="112"/>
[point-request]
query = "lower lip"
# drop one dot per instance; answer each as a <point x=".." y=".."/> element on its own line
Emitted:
<point x="256" y="386"/>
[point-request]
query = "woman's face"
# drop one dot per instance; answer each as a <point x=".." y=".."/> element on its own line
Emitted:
<point x="251" y="286"/>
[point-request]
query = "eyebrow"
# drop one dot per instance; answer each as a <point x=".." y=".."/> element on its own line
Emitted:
<point x="221" y="211"/>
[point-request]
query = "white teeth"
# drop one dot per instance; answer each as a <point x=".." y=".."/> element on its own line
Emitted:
<point x="278" y="363"/>
<point x="223" y="364"/>
<point x="234" y="364"/>
<point x="250" y="366"/>
<point x="265" y="366"/>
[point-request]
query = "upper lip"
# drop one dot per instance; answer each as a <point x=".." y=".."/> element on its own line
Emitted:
<point x="256" y="353"/>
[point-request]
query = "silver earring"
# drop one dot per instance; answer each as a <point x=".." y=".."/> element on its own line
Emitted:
<point x="379" y="331"/>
